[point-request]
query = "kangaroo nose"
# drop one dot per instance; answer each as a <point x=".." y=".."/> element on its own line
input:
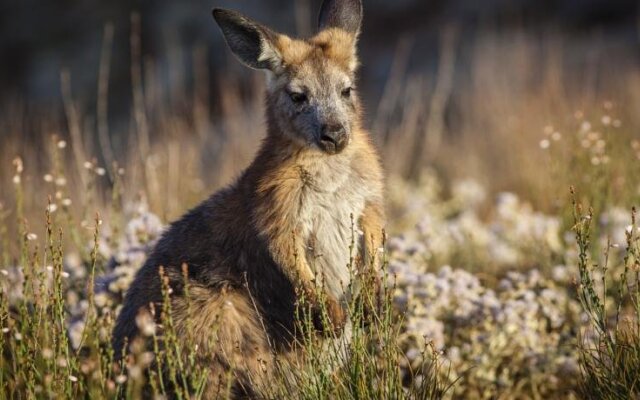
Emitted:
<point x="333" y="138"/>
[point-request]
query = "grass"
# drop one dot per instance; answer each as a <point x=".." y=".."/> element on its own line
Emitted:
<point x="39" y="360"/>
<point x="610" y="352"/>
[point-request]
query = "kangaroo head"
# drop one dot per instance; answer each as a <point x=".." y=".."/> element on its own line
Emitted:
<point x="311" y="97"/>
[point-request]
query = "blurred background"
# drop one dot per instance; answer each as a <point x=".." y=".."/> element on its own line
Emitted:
<point x="453" y="85"/>
<point x="40" y="39"/>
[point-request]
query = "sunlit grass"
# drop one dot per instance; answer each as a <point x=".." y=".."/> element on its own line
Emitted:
<point x="49" y="353"/>
<point x="609" y="290"/>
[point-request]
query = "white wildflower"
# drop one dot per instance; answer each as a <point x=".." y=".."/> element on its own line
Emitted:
<point x="544" y="144"/>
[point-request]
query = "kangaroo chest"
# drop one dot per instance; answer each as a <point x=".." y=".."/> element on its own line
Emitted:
<point x="330" y="207"/>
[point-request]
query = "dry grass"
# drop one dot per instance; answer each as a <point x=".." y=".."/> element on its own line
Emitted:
<point x="487" y="126"/>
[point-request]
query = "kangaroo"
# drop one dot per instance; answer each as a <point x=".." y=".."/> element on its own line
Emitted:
<point x="283" y="229"/>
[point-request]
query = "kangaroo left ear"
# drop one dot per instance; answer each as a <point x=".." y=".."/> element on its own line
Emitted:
<point x="253" y="43"/>
<point x="342" y="14"/>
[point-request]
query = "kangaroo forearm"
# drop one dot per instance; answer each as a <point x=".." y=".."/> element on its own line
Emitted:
<point x="275" y="218"/>
<point x="372" y="223"/>
<point x="291" y="259"/>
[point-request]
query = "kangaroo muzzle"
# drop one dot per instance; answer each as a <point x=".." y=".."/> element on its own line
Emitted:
<point x="333" y="138"/>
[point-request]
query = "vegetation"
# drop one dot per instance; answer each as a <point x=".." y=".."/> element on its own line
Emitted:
<point x="57" y="319"/>
<point x="609" y="291"/>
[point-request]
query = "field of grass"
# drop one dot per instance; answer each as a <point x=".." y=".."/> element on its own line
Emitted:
<point x="501" y="281"/>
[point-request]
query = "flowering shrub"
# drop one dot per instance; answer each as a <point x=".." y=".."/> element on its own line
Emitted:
<point x="514" y="333"/>
<point x="520" y="335"/>
<point x="439" y="232"/>
<point x="140" y="234"/>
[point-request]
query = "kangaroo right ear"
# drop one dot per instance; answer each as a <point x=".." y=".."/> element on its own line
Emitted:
<point x="251" y="42"/>
<point x="343" y="14"/>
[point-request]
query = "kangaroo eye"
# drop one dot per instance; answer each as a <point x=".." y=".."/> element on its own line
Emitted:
<point x="298" y="98"/>
<point x="347" y="92"/>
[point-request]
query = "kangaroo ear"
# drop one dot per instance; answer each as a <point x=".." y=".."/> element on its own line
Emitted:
<point x="251" y="42"/>
<point x="343" y="14"/>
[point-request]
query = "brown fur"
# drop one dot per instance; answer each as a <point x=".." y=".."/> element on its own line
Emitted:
<point x="253" y="248"/>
